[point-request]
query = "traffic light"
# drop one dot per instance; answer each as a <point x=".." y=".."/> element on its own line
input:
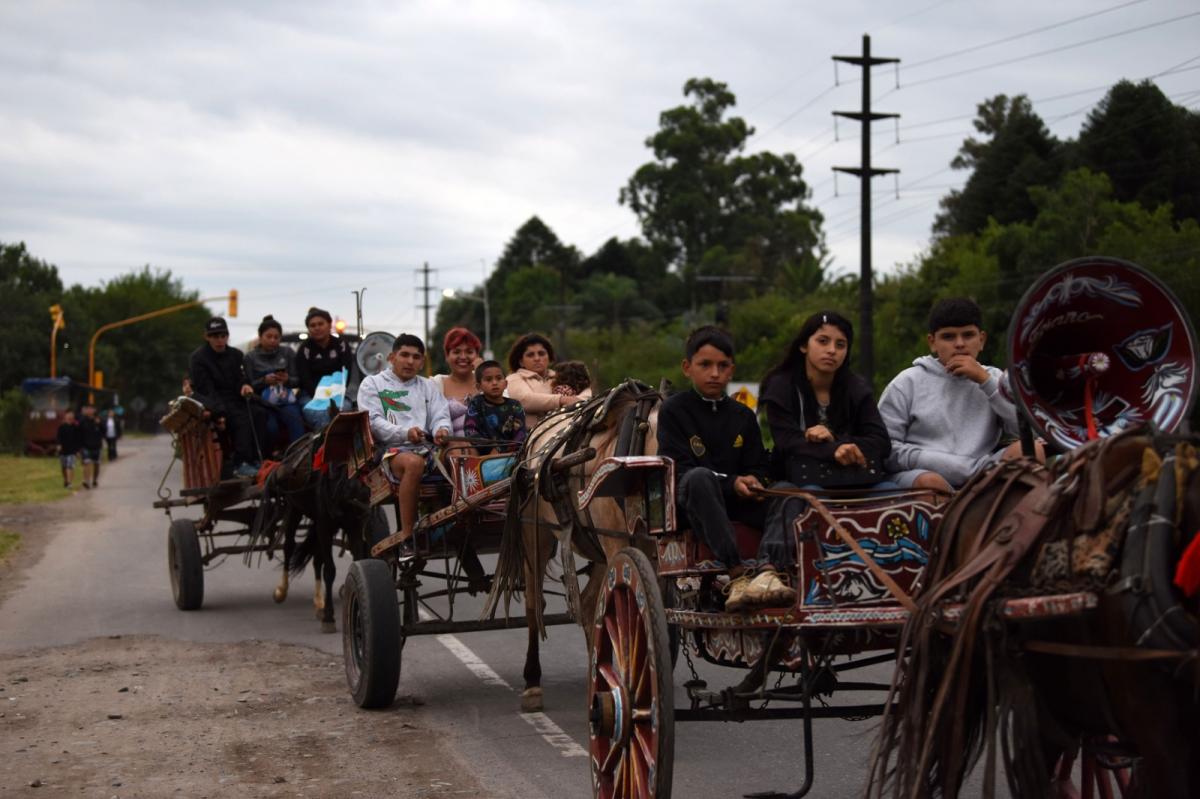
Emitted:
<point x="98" y="380"/>
<point x="56" y="314"/>
<point x="233" y="303"/>
<point x="340" y="326"/>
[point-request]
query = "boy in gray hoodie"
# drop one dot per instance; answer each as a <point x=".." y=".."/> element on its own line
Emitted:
<point x="407" y="413"/>
<point x="947" y="413"/>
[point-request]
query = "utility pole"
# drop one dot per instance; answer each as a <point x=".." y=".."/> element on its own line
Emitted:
<point x="425" y="305"/>
<point x="866" y="336"/>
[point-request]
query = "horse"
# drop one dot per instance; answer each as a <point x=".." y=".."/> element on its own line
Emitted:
<point x="543" y="515"/>
<point x="1116" y="687"/>
<point x="334" y="499"/>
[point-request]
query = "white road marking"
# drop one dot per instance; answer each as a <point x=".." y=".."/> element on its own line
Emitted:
<point x="554" y="735"/>
<point x="545" y="726"/>
<point x="483" y="671"/>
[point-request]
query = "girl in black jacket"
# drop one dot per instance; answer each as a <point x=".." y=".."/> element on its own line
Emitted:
<point x="823" y="417"/>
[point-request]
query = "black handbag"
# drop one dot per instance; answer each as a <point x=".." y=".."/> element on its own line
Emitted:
<point x="805" y="470"/>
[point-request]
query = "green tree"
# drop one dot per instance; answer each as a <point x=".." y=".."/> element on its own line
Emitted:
<point x="145" y="359"/>
<point x="635" y="259"/>
<point x="1149" y="148"/>
<point x="29" y="287"/>
<point x="1019" y="153"/>
<point x="997" y="266"/>
<point x="705" y="205"/>
<point x="535" y="269"/>
<point x="614" y="300"/>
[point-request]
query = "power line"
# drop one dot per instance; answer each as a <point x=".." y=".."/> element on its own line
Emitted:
<point x="1022" y="35"/>
<point x="916" y="13"/>
<point x="818" y="64"/>
<point x="1051" y="51"/>
<point x="1174" y="70"/>
<point x="795" y="113"/>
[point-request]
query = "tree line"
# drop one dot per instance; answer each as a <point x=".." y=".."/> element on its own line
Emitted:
<point x="145" y="360"/>
<point x="729" y="237"/>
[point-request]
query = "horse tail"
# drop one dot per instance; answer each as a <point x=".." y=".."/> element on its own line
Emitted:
<point x="304" y="552"/>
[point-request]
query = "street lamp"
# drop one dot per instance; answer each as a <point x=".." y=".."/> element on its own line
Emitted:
<point x="452" y="294"/>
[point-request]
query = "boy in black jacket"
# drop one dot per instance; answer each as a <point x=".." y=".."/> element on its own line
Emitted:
<point x="70" y="442"/>
<point x="720" y="464"/>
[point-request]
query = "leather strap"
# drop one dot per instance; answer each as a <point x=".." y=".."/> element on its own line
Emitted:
<point x="1097" y="652"/>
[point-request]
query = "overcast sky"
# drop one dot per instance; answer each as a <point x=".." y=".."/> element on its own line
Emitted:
<point x="296" y="150"/>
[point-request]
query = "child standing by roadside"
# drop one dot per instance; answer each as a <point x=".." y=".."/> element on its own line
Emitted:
<point x="70" y="442"/>
<point x="490" y="414"/>
<point x="93" y="440"/>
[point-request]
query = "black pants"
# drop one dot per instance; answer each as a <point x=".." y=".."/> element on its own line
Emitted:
<point x="711" y="514"/>
<point x="112" y="448"/>
<point x="241" y="432"/>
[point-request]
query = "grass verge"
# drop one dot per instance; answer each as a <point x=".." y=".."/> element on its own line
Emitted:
<point x="8" y="543"/>
<point x="31" y="479"/>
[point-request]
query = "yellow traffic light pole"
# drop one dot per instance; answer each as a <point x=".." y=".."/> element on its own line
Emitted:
<point x="232" y="297"/>
<point x="56" y="313"/>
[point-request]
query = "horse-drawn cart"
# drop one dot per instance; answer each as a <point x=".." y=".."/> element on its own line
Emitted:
<point x="243" y="515"/>
<point x="520" y="504"/>
<point x="1063" y="664"/>
<point x="388" y="598"/>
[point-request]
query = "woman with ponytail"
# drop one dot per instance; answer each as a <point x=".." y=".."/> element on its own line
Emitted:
<point x="272" y="372"/>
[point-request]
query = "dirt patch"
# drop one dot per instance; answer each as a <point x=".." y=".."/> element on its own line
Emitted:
<point x="148" y="717"/>
<point x="36" y="524"/>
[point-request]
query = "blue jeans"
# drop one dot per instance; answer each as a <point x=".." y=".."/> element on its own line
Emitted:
<point x="287" y="415"/>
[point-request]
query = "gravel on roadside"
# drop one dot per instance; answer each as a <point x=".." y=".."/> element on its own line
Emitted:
<point x="150" y="717"/>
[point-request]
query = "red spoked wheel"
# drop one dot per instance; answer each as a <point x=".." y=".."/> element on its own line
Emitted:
<point x="631" y="701"/>
<point x="1101" y="773"/>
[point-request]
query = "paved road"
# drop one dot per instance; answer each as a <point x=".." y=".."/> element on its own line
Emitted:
<point x="105" y="574"/>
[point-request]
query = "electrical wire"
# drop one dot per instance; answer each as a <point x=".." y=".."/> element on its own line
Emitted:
<point x="1022" y="35"/>
<point x="1175" y="70"/>
<point x="1040" y="53"/>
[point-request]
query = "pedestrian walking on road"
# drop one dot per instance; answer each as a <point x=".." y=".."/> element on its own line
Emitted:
<point x="112" y="431"/>
<point x="93" y="440"/>
<point x="70" y="442"/>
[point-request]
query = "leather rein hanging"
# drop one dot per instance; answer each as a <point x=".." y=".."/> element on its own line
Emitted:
<point x="556" y="489"/>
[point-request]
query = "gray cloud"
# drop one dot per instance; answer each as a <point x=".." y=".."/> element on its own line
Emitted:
<point x="295" y="150"/>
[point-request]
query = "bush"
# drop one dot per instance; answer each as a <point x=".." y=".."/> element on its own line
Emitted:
<point x="14" y="410"/>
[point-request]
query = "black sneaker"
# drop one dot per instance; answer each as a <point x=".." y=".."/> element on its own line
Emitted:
<point x="86" y="484"/>
<point x="406" y="550"/>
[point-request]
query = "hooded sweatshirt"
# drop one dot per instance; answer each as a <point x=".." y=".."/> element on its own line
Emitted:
<point x="394" y="406"/>
<point x="942" y="423"/>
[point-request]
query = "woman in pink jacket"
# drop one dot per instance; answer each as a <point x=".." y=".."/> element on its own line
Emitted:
<point x="531" y="380"/>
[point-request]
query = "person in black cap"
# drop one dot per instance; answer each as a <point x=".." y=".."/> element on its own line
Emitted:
<point x="219" y="382"/>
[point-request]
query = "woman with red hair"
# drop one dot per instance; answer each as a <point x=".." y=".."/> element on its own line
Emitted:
<point x="461" y="347"/>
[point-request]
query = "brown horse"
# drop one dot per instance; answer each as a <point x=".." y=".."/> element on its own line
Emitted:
<point x="1114" y="687"/>
<point x="546" y="514"/>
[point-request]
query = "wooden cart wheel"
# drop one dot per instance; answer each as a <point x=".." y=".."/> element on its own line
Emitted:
<point x="185" y="564"/>
<point x="371" y="640"/>
<point x="1098" y="778"/>
<point x="631" y="701"/>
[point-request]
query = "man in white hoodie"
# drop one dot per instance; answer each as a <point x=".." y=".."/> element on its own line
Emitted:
<point x="406" y="411"/>
<point x="947" y="413"/>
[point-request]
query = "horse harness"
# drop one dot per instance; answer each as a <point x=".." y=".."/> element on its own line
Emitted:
<point x="575" y="529"/>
